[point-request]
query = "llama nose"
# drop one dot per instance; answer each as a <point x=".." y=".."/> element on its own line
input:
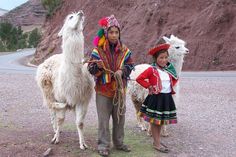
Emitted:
<point x="80" y="13"/>
<point x="187" y="51"/>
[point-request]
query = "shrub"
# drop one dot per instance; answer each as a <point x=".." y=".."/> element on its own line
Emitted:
<point x="12" y="38"/>
<point x="34" y="38"/>
<point x="51" y="6"/>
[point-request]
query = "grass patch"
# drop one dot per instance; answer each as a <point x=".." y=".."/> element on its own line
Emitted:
<point x="138" y="141"/>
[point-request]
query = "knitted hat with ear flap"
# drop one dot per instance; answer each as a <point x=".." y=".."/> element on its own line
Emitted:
<point x="105" y="23"/>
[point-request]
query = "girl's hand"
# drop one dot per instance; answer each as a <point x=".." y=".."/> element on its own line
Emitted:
<point x="150" y="89"/>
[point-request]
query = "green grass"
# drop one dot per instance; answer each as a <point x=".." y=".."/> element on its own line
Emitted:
<point x="140" y="143"/>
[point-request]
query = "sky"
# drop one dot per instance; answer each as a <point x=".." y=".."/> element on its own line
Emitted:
<point x="11" y="4"/>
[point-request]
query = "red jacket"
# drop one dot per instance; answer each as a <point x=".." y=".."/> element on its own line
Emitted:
<point x="151" y="77"/>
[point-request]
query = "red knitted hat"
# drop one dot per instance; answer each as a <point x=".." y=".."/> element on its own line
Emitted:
<point x="158" y="48"/>
<point x="109" y="21"/>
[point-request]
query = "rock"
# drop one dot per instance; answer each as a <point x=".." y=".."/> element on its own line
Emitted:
<point x="47" y="152"/>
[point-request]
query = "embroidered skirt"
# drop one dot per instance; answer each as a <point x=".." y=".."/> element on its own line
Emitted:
<point x="159" y="109"/>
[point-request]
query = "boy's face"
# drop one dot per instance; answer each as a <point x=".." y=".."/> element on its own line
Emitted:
<point x="113" y="35"/>
<point x="162" y="59"/>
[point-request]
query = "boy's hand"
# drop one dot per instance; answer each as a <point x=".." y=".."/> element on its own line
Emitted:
<point x="99" y="64"/>
<point x="119" y="72"/>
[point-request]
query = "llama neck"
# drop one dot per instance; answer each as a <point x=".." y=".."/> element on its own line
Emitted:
<point x="177" y="62"/>
<point x="73" y="48"/>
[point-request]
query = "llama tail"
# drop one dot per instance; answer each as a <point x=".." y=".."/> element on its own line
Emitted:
<point x="44" y="81"/>
<point x="46" y="86"/>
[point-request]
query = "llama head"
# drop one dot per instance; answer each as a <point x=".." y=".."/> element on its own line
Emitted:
<point x="177" y="46"/>
<point x="177" y="51"/>
<point x="73" y="23"/>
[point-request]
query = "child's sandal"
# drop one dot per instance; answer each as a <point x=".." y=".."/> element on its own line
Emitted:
<point x="103" y="153"/>
<point x="162" y="149"/>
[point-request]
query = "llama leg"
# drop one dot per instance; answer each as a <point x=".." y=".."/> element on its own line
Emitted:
<point x="53" y="120"/>
<point x="164" y="132"/>
<point x="80" y="111"/>
<point x="141" y="123"/>
<point x="137" y="116"/>
<point x="55" y="106"/>
<point x="137" y="106"/>
<point x="60" y="117"/>
<point x="149" y="131"/>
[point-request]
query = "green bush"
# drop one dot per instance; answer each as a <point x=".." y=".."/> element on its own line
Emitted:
<point x="34" y="38"/>
<point x="12" y="38"/>
<point x="9" y="36"/>
<point x="51" y="6"/>
<point x="2" y="47"/>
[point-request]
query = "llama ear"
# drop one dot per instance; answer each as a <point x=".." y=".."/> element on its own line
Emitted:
<point x="172" y="36"/>
<point x="166" y="39"/>
<point x="61" y="32"/>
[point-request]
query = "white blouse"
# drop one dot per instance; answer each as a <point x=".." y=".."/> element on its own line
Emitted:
<point x="165" y="81"/>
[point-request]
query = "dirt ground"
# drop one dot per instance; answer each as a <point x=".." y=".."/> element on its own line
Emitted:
<point x="206" y="122"/>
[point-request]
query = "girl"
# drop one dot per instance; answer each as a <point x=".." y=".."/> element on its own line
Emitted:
<point x="159" y="108"/>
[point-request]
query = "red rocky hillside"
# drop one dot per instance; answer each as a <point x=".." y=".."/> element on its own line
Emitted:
<point x="208" y="27"/>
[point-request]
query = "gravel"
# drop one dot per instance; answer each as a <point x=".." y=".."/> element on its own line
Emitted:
<point x="206" y="119"/>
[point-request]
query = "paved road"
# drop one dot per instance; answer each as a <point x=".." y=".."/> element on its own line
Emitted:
<point x="11" y="63"/>
<point x="206" y="117"/>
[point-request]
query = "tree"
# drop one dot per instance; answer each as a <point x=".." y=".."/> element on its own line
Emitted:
<point x="11" y="38"/>
<point x="8" y="36"/>
<point x="34" y="38"/>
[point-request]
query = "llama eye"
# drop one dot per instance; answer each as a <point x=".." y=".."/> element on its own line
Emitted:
<point x="177" y="47"/>
<point x="70" y="17"/>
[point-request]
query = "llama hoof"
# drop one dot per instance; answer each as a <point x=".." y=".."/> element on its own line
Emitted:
<point x="164" y="134"/>
<point x="143" y="129"/>
<point x="149" y="134"/>
<point x="54" y="141"/>
<point x="83" y="146"/>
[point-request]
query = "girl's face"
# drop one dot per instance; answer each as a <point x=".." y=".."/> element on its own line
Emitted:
<point x="113" y="35"/>
<point x="162" y="59"/>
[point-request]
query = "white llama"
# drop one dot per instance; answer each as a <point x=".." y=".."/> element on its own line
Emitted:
<point x="64" y="80"/>
<point x="177" y="51"/>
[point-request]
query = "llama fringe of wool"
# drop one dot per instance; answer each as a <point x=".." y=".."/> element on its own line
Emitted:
<point x="64" y="80"/>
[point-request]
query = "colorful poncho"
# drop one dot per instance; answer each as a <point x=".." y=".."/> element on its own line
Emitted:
<point x="111" y="64"/>
<point x="118" y="59"/>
